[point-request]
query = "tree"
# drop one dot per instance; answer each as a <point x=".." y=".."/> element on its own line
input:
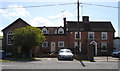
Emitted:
<point x="27" y="37"/>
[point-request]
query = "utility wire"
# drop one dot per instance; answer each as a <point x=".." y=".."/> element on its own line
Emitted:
<point x="61" y="4"/>
<point x="41" y="5"/>
<point x="65" y="14"/>
<point x="99" y="5"/>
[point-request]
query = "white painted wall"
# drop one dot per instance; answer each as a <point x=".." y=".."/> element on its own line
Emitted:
<point x="118" y="19"/>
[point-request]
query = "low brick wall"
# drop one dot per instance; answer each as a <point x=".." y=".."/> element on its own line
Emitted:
<point x="48" y="55"/>
<point x="82" y="57"/>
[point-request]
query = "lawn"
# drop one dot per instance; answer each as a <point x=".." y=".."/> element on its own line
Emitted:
<point x="1" y="36"/>
<point x="18" y="59"/>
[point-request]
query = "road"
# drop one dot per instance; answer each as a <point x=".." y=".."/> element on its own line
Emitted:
<point x="53" y="63"/>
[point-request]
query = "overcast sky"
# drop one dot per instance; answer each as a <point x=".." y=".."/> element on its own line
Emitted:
<point x="52" y="15"/>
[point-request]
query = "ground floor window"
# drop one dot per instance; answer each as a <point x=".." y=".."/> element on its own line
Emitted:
<point x="45" y="44"/>
<point x="104" y="46"/>
<point x="76" y="45"/>
<point x="9" y="38"/>
<point x="61" y="44"/>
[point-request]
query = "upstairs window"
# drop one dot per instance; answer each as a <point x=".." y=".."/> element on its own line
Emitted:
<point x="104" y="35"/>
<point x="60" y="31"/>
<point x="45" y="31"/>
<point x="45" y="44"/>
<point x="77" y="36"/>
<point x="9" y="38"/>
<point x="90" y="35"/>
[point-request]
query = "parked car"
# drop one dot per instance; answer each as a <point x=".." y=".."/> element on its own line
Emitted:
<point x="116" y="54"/>
<point x="65" y="54"/>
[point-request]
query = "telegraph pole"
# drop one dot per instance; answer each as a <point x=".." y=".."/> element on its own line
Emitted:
<point x="78" y="29"/>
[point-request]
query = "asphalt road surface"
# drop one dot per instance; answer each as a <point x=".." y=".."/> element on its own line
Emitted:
<point x="53" y="63"/>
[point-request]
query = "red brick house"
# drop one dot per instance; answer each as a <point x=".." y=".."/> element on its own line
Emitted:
<point x="100" y="34"/>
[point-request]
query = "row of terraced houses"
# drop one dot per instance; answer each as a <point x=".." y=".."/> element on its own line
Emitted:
<point x="100" y="34"/>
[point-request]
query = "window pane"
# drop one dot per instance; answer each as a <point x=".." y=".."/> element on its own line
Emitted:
<point x="104" y="46"/>
<point x="9" y="38"/>
<point x="45" y="44"/>
<point x="90" y="35"/>
<point x="60" y="44"/>
<point x="60" y="32"/>
<point x="104" y="35"/>
<point x="77" y="36"/>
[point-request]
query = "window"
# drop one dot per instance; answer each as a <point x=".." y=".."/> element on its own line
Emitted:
<point x="90" y="35"/>
<point x="45" y="44"/>
<point x="76" y="44"/>
<point x="61" y="44"/>
<point x="9" y="38"/>
<point x="77" y="36"/>
<point x="45" y="31"/>
<point x="60" y="31"/>
<point x="104" y="46"/>
<point x="104" y="35"/>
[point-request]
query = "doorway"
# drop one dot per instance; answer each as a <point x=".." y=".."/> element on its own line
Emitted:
<point x="94" y="47"/>
<point x="53" y="47"/>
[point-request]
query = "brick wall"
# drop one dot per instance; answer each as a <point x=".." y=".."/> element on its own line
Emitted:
<point x="12" y="27"/>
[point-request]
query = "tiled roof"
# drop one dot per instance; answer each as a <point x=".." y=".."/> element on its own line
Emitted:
<point x="50" y="29"/>
<point x="90" y="26"/>
<point x="19" y="19"/>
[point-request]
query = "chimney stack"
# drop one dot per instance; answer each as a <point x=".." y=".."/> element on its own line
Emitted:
<point x="64" y="21"/>
<point x="85" y="18"/>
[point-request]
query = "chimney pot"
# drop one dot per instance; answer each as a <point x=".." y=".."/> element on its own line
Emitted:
<point x="85" y="18"/>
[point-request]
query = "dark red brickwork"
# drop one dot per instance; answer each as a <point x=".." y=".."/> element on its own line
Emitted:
<point x="15" y="25"/>
<point x="68" y="37"/>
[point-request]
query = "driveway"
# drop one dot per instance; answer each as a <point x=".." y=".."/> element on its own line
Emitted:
<point x="53" y="63"/>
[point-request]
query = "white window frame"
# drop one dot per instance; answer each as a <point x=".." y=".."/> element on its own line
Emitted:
<point x="76" y="44"/>
<point x="89" y="35"/>
<point x="79" y="35"/>
<point x="104" y="44"/>
<point x="45" y="43"/>
<point x="45" y="29"/>
<point x="102" y="35"/>
<point x="62" y="43"/>
<point x="60" y="29"/>
<point x="9" y="41"/>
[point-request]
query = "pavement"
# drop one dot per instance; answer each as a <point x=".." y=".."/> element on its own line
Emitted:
<point x="105" y="58"/>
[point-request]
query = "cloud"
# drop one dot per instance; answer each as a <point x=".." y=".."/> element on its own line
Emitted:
<point x="49" y="21"/>
<point x="40" y="21"/>
<point x="2" y="11"/>
<point x="14" y="10"/>
<point x="66" y="14"/>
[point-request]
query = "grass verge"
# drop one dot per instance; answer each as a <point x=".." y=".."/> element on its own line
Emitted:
<point x="18" y="59"/>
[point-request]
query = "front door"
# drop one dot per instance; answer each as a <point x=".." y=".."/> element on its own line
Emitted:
<point x="94" y="51"/>
<point x="52" y="47"/>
